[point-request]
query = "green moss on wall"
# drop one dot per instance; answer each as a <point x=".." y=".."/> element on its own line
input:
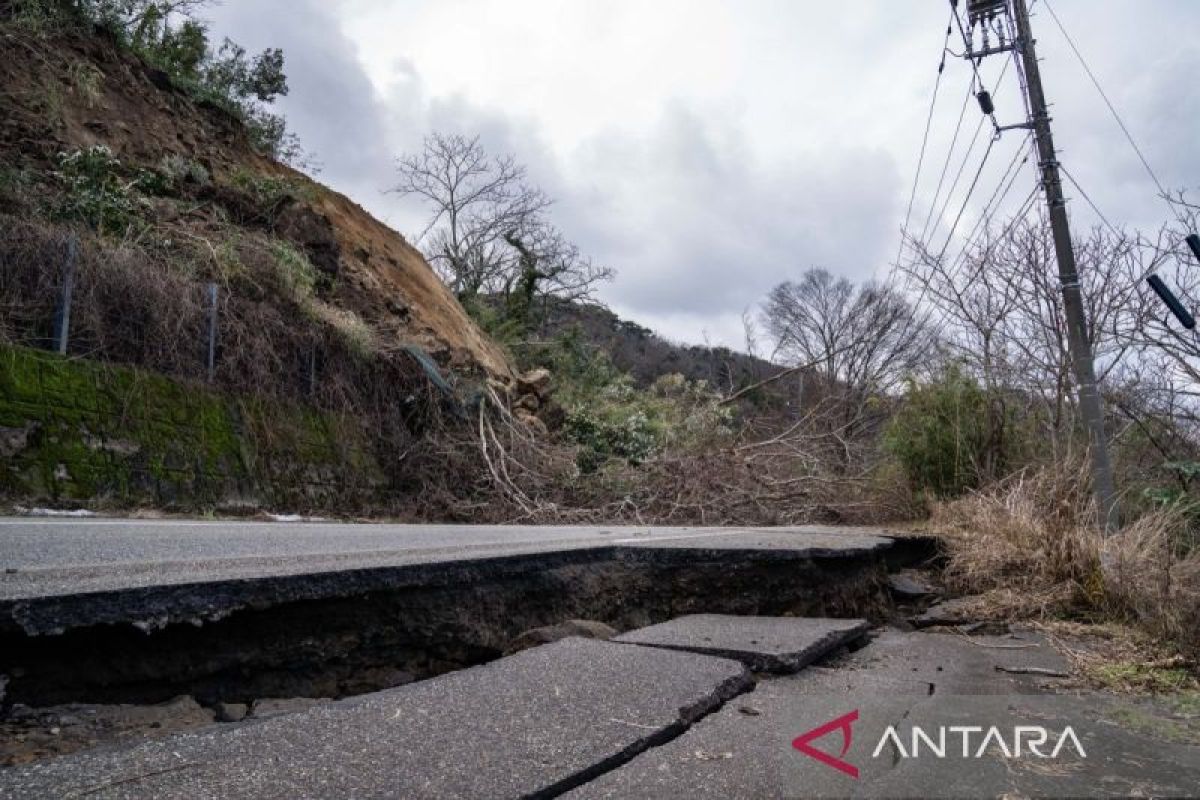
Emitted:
<point x="79" y="432"/>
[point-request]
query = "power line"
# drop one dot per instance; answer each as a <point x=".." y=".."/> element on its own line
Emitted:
<point x="1022" y="210"/>
<point x="925" y="284"/>
<point x="949" y="157"/>
<point x="1007" y="180"/>
<point x="924" y="140"/>
<point x="941" y="213"/>
<point x="967" y="198"/>
<point x="1087" y="198"/>
<point x="963" y="165"/>
<point x="1112" y="109"/>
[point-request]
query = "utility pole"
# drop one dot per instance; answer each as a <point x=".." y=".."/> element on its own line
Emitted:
<point x="1090" y="406"/>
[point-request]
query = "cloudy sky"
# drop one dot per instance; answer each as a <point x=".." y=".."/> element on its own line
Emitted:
<point x="708" y="150"/>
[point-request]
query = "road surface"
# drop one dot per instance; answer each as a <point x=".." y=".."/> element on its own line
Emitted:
<point x="49" y="557"/>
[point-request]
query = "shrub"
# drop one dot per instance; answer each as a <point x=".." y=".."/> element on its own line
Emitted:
<point x="95" y="191"/>
<point x="609" y="417"/>
<point x="269" y="192"/>
<point x="300" y="278"/>
<point x="179" y="169"/>
<point x="14" y="185"/>
<point x="226" y="76"/>
<point x="1032" y="544"/>
<point x="607" y="435"/>
<point x="85" y="81"/>
<point x="940" y="433"/>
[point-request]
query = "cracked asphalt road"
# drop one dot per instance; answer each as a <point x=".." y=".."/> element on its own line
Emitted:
<point x="47" y="557"/>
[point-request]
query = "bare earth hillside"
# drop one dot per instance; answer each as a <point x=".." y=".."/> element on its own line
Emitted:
<point x="75" y="92"/>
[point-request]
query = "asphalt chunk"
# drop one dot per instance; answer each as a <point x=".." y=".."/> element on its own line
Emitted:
<point x="535" y="724"/>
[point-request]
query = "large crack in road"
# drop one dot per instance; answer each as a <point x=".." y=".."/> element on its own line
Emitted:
<point x="247" y="631"/>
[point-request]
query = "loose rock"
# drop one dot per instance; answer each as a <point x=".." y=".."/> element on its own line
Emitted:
<point x="231" y="712"/>
<point x="535" y="382"/>
<point x="950" y="612"/>
<point x="909" y="586"/>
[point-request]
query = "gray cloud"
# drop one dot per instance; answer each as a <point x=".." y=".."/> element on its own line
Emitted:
<point x="704" y="199"/>
<point x="697" y="223"/>
<point x="332" y="103"/>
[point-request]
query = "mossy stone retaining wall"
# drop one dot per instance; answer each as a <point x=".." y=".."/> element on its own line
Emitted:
<point x="76" y="432"/>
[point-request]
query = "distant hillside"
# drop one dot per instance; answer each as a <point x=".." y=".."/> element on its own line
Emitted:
<point x="645" y="355"/>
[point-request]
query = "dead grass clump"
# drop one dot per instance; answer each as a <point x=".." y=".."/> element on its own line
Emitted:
<point x="1153" y="580"/>
<point x="1032" y="547"/>
<point x="1033" y="532"/>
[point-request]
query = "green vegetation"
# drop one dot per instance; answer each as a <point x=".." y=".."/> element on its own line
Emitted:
<point x="164" y="34"/>
<point x="79" y="431"/>
<point x="95" y="191"/>
<point x="1132" y="675"/>
<point x="270" y="193"/>
<point x="940" y="433"/>
<point x="299" y="276"/>
<point x="184" y="170"/>
<point x="85" y="81"/>
<point x="607" y="416"/>
<point x="14" y="185"/>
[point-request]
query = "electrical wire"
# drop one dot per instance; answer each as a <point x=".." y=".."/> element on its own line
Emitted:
<point x="949" y="156"/>
<point x="924" y="140"/>
<point x="967" y="198"/>
<point x="1112" y="109"/>
<point x="981" y="263"/>
<point x="928" y="232"/>
<point x="1007" y="180"/>
<point x="999" y="194"/>
<point x="1087" y="198"/>
<point x="925" y="284"/>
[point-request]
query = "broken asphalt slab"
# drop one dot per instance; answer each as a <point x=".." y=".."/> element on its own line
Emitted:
<point x="530" y="725"/>
<point x="764" y="644"/>
<point x="923" y="680"/>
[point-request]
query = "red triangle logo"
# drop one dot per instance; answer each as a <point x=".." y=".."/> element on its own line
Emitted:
<point x="842" y="723"/>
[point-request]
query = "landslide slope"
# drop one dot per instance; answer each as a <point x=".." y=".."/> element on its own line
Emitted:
<point x="70" y="92"/>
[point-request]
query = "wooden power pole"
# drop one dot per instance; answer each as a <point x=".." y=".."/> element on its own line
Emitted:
<point x="1090" y="405"/>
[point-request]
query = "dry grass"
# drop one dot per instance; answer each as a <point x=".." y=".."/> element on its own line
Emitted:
<point x="1031" y="547"/>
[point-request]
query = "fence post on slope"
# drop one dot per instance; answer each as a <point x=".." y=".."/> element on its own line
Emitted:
<point x="62" y="314"/>
<point x="212" y="330"/>
<point x="312" y="372"/>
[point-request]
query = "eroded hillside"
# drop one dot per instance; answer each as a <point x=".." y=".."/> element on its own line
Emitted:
<point x="198" y="185"/>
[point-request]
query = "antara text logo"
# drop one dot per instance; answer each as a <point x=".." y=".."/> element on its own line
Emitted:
<point x="945" y="741"/>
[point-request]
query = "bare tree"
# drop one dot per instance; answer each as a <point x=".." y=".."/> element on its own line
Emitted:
<point x="1155" y="331"/>
<point x="862" y="338"/>
<point x="998" y="306"/>
<point x="851" y="347"/>
<point x="998" y="309"/>
<point x="488" y="233"/>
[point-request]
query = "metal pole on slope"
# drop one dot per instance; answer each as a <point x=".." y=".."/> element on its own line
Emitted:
<point x="211" y="360"/>
<point x="1090" y="406"/>
<point x="62" y="314"/>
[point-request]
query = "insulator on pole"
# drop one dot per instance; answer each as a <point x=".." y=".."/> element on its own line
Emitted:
<point x="1194" y="242"/>
<point x="985" y="102"/>
<point x="1172" y="302"/>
